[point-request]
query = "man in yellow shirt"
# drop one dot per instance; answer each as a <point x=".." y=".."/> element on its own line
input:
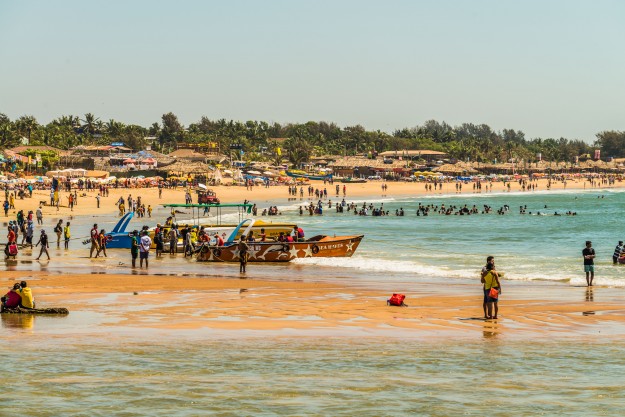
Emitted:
<point x="27" y="295"/>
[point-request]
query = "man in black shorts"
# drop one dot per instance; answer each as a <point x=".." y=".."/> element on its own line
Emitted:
<point x="589" y="262"/>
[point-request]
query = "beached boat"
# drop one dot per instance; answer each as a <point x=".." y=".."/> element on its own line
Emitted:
<point x="294" y="174"/>
<point x="318" y="246"/>
<point x="118" y="238"/>
<point x="48" y="311"/>
<point x="352" y="180"/>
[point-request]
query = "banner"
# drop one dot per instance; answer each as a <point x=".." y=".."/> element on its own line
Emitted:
<point x="597" y="154"/>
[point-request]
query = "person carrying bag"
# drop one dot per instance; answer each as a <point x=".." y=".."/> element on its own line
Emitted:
<point x="492" y="291"/>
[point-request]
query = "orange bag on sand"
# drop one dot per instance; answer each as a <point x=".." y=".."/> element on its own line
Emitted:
<point x="493" y="293"/>
<point x="396" y="300"/>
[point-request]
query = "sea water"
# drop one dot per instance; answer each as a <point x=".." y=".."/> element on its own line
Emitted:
<point x="60" y="367"/>
<point x="544" y="245"/>
<point x="308" y="376"/>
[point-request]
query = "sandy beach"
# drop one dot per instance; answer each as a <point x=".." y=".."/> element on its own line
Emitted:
<point x="234" y="303"/>
<point x="229" y="305"/>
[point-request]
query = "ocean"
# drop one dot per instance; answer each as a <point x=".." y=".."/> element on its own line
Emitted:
<point x="59" y="367"/>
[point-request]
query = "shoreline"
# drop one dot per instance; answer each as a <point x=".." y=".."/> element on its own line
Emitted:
<point x="144" y="305"/>
<point x="104" y="301"/>
<point x="236" y="194"/>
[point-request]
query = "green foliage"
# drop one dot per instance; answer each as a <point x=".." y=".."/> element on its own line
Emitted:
<point x="48" y="158"/>
<point x="468" y="141"/>
<point x="612" y="143"/>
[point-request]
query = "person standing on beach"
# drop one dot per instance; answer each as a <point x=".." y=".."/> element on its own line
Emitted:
<point x="95" y="245"/>
<point x="173" y="240"/>
<point x="39" y="215"/>
<point x="589" y="262"/>
<point x="134" y="247"/>
<point x="243" y="248"/>
<point x="618" y="251"/>
<point x="490" y="264"/>
<point x="144" y="249"/>
<point x="491" y="281"/>
<point x="58" y="229"/>
<point x="102" y="239"/>
<point x="67" y="234"/>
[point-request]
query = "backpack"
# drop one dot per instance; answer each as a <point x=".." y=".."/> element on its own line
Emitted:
<point x="396" y="300"/>
<point x="12" y="249"/>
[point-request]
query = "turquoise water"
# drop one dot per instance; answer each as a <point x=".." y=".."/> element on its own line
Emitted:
<point x="66" y="369"/>
<point x="527" y="247"/>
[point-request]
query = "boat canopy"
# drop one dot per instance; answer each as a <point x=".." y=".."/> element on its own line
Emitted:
<point x="241" y="208"/>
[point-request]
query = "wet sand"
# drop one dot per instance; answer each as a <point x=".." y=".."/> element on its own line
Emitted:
<point x="170" y="306"/>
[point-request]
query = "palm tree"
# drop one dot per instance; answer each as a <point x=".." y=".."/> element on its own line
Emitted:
<point x="25" y="126"/>
<point x="299" y="150"/>
<point x="114" y="128"/>
<point x="90" y="123"/>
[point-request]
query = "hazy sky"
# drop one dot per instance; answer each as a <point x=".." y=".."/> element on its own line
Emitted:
<point x="549" y="68"/>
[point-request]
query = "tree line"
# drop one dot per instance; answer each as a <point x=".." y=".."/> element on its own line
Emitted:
<point x="298" y="142"/>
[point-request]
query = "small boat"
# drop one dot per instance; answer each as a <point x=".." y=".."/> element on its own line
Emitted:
<point x="352" y="180"/>
<point x="119" y="237"/>
<point x="50" y="310"/>
<point x="302" y="174"/>
<point x="318" y="246"/>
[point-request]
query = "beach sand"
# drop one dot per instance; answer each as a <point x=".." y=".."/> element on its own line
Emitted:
<point x="254" y="303"/>
<point x="224" y="306"/>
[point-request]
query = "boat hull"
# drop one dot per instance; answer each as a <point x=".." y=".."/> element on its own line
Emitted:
<point x="320" y="246"/>
<point x="309" y="177"/>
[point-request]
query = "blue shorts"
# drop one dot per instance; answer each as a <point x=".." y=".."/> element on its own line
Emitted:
<point x="143" y="255"/>
<point x="589" y="268"/>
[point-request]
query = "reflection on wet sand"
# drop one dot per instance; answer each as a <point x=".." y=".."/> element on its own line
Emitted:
<point x="490" y="329"/>
<point x="589" y="295"/>
<point x="18" y="321"/>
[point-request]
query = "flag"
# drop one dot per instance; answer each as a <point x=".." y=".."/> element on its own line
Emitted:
<point x="279" y="151"/>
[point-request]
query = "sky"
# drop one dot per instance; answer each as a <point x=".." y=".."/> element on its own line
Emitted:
<point x="549" y="68"/>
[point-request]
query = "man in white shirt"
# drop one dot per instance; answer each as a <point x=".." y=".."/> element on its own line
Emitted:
<point x="144" y="248"/>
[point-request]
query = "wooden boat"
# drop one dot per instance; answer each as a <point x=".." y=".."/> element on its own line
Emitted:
<point x="352" y="180"/>
<point x="47" y="311"/>
<point x="318" y="246"/>
<point x="294" y="174"/>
